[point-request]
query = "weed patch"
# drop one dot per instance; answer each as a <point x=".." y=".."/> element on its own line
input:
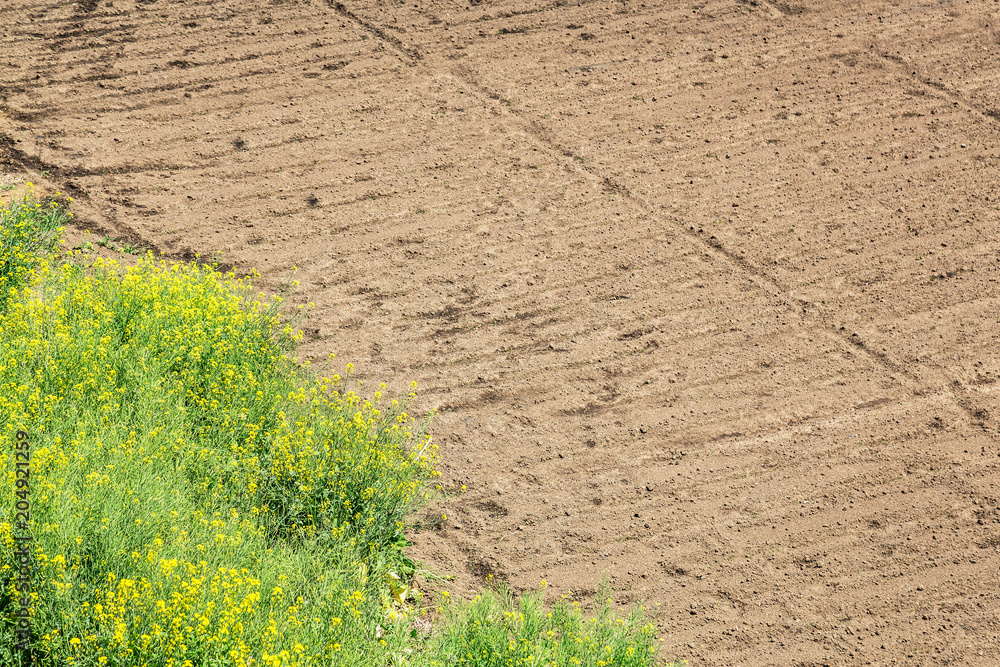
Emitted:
<point x="28" y="233"/>
<point x="496" y="629"/>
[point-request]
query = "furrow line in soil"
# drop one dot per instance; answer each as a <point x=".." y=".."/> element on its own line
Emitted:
<point x="937" y="87"/>
<point x="410" y="53"/>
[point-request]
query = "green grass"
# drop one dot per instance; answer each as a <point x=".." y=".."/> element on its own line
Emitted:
<point x="198" y="499"/>
<point x="28" y="232"/>
<point x="496" y="629"/>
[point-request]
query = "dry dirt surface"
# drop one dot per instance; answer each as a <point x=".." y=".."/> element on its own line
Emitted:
<point x="705" y="293"/>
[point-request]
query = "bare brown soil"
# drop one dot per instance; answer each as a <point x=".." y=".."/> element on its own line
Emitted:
<point x="705" y="293"/>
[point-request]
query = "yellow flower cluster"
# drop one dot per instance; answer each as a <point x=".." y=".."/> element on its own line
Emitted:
<point x="337" y="460"/>
<point x="28" y="229"/>
<point x="196" y="499"/>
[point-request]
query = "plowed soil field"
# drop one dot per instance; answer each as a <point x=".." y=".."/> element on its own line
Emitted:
<point x="705" y="293"/>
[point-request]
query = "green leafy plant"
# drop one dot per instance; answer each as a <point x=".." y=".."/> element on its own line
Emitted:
<point x="498" y="629"/>
<point x="108" y="242"/>
<point x="28" y="234"/>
